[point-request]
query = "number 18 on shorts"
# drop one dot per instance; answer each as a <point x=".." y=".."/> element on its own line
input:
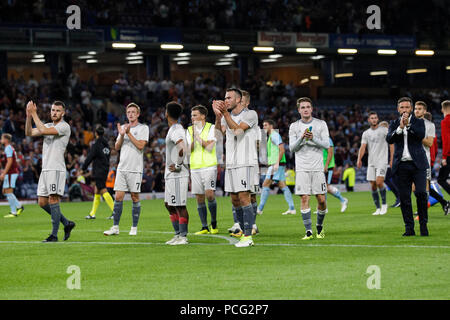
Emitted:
<point x="51" y="182"/>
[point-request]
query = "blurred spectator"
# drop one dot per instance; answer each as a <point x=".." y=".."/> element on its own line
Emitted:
<point x="288" y="16"/>
<point x="271" y="98"/>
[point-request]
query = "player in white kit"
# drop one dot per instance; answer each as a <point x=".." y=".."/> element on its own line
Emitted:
<point x="131" y="142"/>
<point x="176" y="175"/>
<point x="307" y="139"/>
<point x="237" y="122"/>
<point x="52" y="180"/>
<point x="235" y="230"/>
<point x="420" y="108"/>
<point x="374" y="139"/>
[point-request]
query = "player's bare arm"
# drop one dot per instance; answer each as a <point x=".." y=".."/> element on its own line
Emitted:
<point x="329" y="157"/>
<point x="43" y="130"/>
<point x="8" y="165"/>
<point x="238" y="129"/>
<point x="29" y="130"/>
<point x="140" y="144"/>
<point x="391" y="155"/>
<point x="361" y="152"/>
<point x="428" y="141"/>
<point x="217" y="107"/>
<point x="280" y="156"/>
<point x="119" y="142"/>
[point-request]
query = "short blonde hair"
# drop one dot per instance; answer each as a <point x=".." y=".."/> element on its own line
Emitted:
<point x="445" y="104"/>
<point x="7" y="136"/>
<point x="384" y="124"/>
<point x="133" y="105"/>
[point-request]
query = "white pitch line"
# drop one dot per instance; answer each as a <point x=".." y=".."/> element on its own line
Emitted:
<point x="102" y="243"/>
<point x="353" y="245"/>
<point x="257" y="244"/>
<point x="232" y="241"/>
<point x="229" y="239"/>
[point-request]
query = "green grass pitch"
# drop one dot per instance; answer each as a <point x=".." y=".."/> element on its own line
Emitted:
<point x="279" y="266"/>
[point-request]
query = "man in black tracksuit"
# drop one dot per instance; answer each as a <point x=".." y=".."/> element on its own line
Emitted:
<point x="99" y="155"/>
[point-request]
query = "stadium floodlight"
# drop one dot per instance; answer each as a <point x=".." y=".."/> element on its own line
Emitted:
<point x="37" y="60"/>
<point x="137" y="53"/>
<point x="275" y="56"/>
<point x="379" y="73"/>
<point x="123" y="45"/>
<point x="411" y="71"/>
<point x="135" y="62"/>
<point x="347" y="51"/>
<point x="85" y="57"/>
<point x="306" y="80"/>
<point x="314" y="77"/>
<point x="263" y="49"/>
<point x="183" y="62"/>
<point x="223" y="63"/>
<point x="181" y="58"/>
<point x="91" y="61"/>
<point x="231" y="55"/>
<point x="268" y="60"/>
<point x="38" y="56"/>
<point x="387" y="52"/>
<point x="218" y="48"/>
<point x="92" y="53"/>
<point x="306" y="50"/>
<point x="183" y="54"/>
<point x="318" y="57"/>
<point x="424" y="52"/>
<point x="343" y="75"/>
<point x="226" y="59"/>
<point x="171" y="46"/>
<point x="133" y="58"/>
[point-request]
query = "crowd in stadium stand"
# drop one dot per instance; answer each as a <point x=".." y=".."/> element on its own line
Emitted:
<point x="270" y="15"/>
<point x="272" y="100"/>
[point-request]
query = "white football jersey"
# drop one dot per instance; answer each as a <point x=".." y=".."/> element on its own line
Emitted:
<point x="377" y="146"/>
<point x="176" y="133"/>
<point x="131" y="158"/>
<point x="241" y="148"/>
<point x="430" y="131"/>
<point x="310" y="155"/>
<point x="54" y="147"/>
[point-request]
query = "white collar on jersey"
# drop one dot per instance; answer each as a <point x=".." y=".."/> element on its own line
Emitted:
<point x="301" y="120"/>
<point x="245" y="109"/>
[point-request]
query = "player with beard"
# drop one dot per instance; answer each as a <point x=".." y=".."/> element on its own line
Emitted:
<point x="53" y="175"/>
<point x="237" y="121"/>
<point x="374" y="139"/>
